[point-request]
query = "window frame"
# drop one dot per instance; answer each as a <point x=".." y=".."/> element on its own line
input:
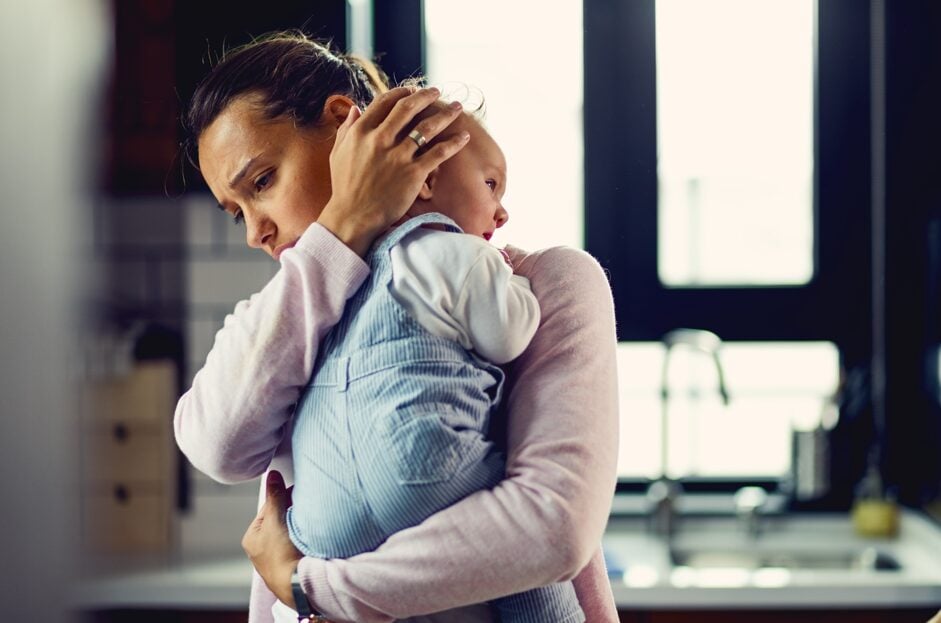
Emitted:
<point x="621" y="170"/>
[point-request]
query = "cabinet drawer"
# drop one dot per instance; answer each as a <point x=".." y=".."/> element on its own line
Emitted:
<point x="127" y="518"/>
<point x="146" y="394"/>
<point x="129" y="452"/>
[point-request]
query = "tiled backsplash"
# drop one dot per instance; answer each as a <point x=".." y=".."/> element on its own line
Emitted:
<point x="183" y="264"/>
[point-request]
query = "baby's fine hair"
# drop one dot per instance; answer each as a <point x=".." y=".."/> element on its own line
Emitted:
<point x="292" y="74"/>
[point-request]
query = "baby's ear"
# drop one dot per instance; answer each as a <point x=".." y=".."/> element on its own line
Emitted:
<point x="428" y="188"/>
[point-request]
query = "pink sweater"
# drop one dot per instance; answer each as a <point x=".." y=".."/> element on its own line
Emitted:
<point x="542" y="524"/>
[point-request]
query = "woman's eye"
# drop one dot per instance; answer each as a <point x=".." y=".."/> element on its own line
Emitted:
<point x="492" y="184"/>
<point x="263" y="181"/>
<point x="237" y="217"/>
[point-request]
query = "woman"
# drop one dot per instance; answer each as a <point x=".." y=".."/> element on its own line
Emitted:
<point x="282" y="145"/>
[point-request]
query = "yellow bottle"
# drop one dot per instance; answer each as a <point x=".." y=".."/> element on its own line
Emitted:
<point x="874" y="514"/>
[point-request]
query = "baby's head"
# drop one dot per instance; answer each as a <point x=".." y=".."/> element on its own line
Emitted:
<point x="469" y="186"/>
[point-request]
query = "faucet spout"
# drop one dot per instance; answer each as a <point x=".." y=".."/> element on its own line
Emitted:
<point x="664" y="492"/>
<point x="698" y="339"/>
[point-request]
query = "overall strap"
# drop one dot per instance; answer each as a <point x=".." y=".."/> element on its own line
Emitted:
<point x="396" y="235"/>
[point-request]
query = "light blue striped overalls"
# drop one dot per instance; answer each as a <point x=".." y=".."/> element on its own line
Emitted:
<point x="393" y="428"/>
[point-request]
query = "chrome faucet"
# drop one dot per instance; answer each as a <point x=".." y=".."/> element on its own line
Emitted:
<point x="749" y="505"/>
<point x="663" y="493"/>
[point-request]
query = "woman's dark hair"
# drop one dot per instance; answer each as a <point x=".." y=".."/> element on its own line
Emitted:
<point x="292" y="75"/>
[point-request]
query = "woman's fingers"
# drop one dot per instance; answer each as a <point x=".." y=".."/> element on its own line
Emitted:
<point x="441" y="151"/>
<point x="278" y="496"/>
<point x="383" y="103"/>
<point x="422" y="107"/>
<point x="405" y="110"/>
<point x="434" y="120"/>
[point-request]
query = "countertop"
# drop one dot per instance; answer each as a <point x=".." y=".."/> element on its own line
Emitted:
<point x="222" y="583"/>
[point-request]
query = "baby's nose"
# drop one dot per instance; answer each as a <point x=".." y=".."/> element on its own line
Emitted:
<point x="502" y="216"/>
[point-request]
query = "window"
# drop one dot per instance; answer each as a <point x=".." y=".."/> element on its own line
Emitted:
<point x="735" y="141"/>
<point x="711" y="208"/>
<point x="773" y="388"/>
<point x="492" y="48"/>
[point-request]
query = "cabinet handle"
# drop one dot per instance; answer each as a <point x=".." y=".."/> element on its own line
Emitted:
<point x="121" y="494"/>
<point x="120" y="432"/>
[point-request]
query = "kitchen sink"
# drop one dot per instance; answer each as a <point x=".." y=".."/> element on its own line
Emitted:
<point x="791" y="559"/>
<point x="865" y="559"/>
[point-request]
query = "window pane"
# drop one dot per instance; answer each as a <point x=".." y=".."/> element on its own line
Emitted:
<point x="773" y="386"/>
<point x="533" y="103"/>
<point x="735" y="141"/>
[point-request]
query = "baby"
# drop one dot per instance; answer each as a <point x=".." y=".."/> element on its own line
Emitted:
<point x="393" y="426"/>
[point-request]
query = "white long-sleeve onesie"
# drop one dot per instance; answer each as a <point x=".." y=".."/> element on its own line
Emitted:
<point x="460" y="287"/>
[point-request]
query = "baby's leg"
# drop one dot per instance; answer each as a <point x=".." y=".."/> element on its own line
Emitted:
<point x="556" y="603"/>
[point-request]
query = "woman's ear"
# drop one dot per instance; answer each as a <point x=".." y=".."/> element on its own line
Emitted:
<point x="336" y="109"/>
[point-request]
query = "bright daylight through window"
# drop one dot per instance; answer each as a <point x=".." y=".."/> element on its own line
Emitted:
<point x="735" y="141"/>
<point x="735" y="134"/>
<point x="533" y="103"/>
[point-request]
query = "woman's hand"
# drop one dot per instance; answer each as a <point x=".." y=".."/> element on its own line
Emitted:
<point x="376" y="170"/>
<point x="267" y="542"/>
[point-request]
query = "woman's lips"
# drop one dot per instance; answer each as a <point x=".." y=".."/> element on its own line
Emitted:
<point x="488" y="235"/>
<point x="282" y="248"/>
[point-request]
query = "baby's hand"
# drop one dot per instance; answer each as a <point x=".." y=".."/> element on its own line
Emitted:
<point x="506" y="257"/>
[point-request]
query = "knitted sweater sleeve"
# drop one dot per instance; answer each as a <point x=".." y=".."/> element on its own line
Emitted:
<point x="544" y="522"/>
<point x="231" y="421"/>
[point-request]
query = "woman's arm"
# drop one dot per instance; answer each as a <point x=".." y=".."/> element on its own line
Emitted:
<point x="593" y="589"/>
<point x="229" y="423"/>
<point x="544" y="522"/>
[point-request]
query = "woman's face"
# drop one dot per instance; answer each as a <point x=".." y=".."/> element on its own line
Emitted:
<point x="268" y="173"/>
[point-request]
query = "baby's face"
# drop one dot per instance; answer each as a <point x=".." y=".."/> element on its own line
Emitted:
<point x="469" y="187"/>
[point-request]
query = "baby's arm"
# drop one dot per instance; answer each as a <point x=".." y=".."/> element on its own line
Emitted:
<point x="460" y="287"/>
<point x="230" y="422"/>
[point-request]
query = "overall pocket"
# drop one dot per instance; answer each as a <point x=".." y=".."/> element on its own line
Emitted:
<point x="423" y="448"/>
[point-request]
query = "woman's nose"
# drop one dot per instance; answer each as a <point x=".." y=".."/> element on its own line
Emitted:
<point x="258" y="231"/>
<point x="502" y="216"/>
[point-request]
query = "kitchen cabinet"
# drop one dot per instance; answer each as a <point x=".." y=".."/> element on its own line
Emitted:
<point x="129" y="461"/>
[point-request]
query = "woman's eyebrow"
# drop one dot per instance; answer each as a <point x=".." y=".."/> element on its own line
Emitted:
<point x="238" y="177"/>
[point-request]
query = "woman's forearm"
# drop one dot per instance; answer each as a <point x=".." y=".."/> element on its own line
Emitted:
<point x="545" y="521"/>
<point x="229" y="423"/>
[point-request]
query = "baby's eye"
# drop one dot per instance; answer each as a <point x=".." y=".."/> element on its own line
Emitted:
<point x="492" y="184"/>
<point x="263" y="181"/>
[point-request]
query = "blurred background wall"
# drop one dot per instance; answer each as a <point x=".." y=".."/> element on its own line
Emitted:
<point x="52" y="55"/>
